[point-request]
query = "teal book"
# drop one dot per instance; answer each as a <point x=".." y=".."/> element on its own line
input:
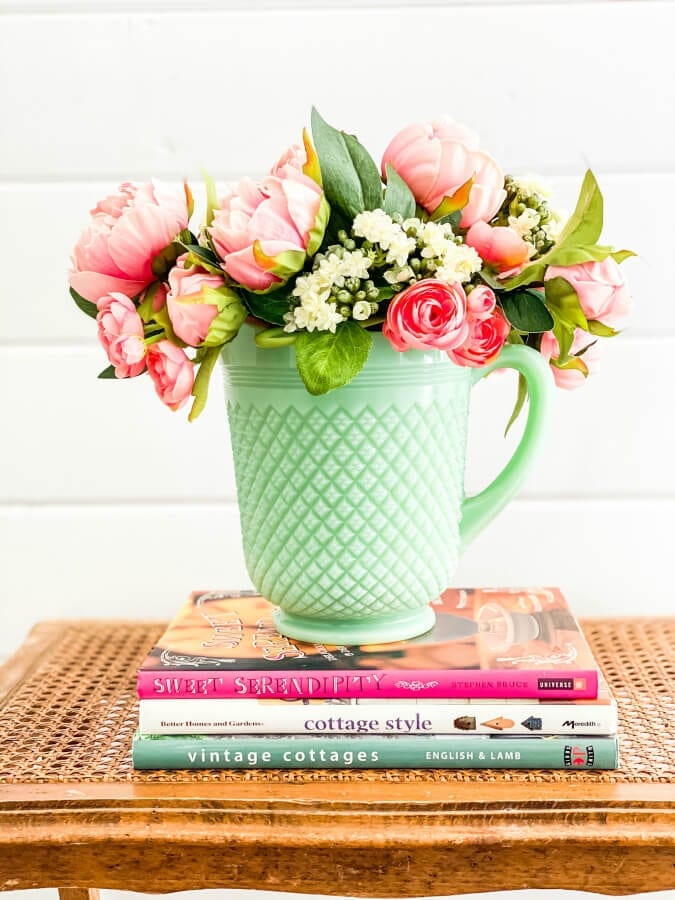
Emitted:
<point x="373" y="751"/>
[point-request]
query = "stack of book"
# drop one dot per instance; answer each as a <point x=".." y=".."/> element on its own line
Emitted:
<point x="505" y="679"/>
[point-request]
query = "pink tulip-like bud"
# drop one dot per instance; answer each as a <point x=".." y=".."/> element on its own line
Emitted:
<point x="571" y="379"/>
<point x="120" y="331"/>
<point x="127" y="230"/>
<point x="429" y="315"/>
<point x="172" y="373"/>
<point x="601" y="288"/>
<point x="202" y="310"/>
<point x="498" y="245"/>
<point x="481" y="302"/>
<point x="436" y="158"/>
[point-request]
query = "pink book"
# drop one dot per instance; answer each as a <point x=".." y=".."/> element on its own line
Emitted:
<point x="487" y="642"/>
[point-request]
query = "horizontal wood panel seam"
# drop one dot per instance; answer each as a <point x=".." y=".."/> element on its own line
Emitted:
<point x="177" y="7"/>
<point x="105" y="505"/>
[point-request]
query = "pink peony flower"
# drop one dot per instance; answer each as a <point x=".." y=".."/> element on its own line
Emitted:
<point x="498" y="245"/>
<point x="291" y="160"/>
<point x="428" y="315"/>
<point x="127" y="230"/>
<point x="570" y="379"/>
<point x="120" y="331"/>
<point x="264" y="229"/>
<point x="601" y="289"/>
<point x="486" y="338"/>
<point x="172" y="373"/>
<point x="481" y="302"/>
<point x="202" y="310"/>
<point x="487" y="192"/>
<point x="436" y="158"/>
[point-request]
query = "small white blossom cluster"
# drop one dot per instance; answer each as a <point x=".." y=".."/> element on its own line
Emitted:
<point x="377" y="227"/>
<point x="415" y="249"/>
<point x="317" y="309"/>
<point x="528" y="212"/>
<point x="528" y="222"/>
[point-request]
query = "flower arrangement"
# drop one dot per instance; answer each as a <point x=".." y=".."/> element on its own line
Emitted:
<point x="435" y="249"/>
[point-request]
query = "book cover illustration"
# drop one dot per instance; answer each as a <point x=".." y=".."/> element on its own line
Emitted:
<point x="486" y="642"/>
<point x="372" y="752"/>
<point x="360" y="715"/>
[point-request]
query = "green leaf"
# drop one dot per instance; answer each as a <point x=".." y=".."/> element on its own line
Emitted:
<point x="269" y="307"/>
<point x="163" y="261"/>
<point x="572" y="362"/>
<point x="398" y="198"/>
<point x="211" y="196"/>
<point x="145" y="308"/>
<point x="570" y="256"/>
<point x="203" y="257"/>
<point x="108" y="372"/>
<point x="600" y="329"/>
<point x="347" y="188"/>
<point x="564" y="335"/>
<point x="585" y="223"/>
<point x="367" y="171"/>
<point x="525" y="310"/>
<point x="454" y="203"/>
<point x="563" y="302"/>
<point x="270" y="338"/>
<point x="521" y="397"/>
<point x="327" y="361"/>
<point x="577" y="239"/>
<point x="87" y="307"/>
<point x="620" y="255"/>
<point x="200" y="388"/>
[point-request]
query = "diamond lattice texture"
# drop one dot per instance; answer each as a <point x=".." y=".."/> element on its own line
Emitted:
<point x="351" y="511"/>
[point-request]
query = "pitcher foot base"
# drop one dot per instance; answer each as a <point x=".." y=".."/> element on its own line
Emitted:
<point x="339" y="632"/>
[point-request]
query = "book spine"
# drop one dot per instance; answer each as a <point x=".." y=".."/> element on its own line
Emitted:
<point x="369" y="683"/>
<point x="374" y="752"/>
<point x="206" y="716"/>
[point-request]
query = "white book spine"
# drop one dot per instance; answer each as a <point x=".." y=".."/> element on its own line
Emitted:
<point x="221" y="716"/>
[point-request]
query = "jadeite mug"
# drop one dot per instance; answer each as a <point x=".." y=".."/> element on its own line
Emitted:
<point x="352" y="504"/>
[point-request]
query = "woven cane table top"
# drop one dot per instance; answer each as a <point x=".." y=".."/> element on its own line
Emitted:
<point x="73" y="813"/>
<point x="72" y="715"/>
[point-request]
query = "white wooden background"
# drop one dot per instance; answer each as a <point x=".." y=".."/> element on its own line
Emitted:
<point x="112" y="505"/>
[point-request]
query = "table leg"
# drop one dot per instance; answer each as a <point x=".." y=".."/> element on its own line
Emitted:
<point x="79" y="894"/>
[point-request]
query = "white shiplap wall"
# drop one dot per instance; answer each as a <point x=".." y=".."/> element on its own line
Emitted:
<point x="92" y="96"/>
<point x="96" y="92"/>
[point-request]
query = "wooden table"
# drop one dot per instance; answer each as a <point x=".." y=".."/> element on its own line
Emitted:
<point x="75" y="815"/>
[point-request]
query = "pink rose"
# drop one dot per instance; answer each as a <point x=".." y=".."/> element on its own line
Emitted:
<point x="428" y="315"/>
<point x="481" y="302"/>
<point x="264" y="229"/>
<point x="172" y="373"/>
<point x="601" y="289"/>
<point x="570" y="379"/>
<point x="127" y="230"/>
<point x="120" y="331"/>
<point x="202" y="310"/>
<point x="486" y="338"/>
<point x="498" y="245"/>
<point x="436" y="158"/>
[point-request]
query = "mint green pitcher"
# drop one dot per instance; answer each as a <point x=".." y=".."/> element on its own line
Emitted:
<point x="352" y="504"/>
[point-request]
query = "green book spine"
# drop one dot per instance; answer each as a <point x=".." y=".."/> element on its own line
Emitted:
<point x="373" y="752"/>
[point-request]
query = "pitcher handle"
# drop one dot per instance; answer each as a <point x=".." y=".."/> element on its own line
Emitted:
<point x="479" y="510"/>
